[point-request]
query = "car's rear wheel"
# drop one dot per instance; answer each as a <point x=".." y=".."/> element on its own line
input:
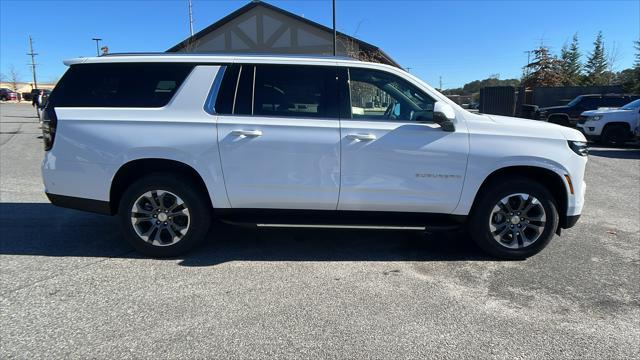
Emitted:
<point x="615" y="135"/>
<point x="164" y="215"/>
<point x="514" y="219"/>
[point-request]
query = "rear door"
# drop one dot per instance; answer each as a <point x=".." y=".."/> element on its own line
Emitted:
<point x="279" y="140"/>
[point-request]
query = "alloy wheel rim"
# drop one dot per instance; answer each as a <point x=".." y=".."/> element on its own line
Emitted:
<point x="517" y="221"/>
<point x="160" y="218"/>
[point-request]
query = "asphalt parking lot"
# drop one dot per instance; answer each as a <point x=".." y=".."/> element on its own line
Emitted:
<point x="70" y="287"/>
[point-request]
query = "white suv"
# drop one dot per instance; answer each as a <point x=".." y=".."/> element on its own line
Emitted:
<point x="170" y="142"/>
<point x="611" y="126"/>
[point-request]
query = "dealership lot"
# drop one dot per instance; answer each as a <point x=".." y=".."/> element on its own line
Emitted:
<point x="70" y="287"/>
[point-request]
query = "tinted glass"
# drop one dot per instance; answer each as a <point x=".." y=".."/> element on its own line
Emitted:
<point x="588" y="103"/>
<point x="120" y="85"/>
<point x="295" y="91"/>
<point x="224" y="102"/>
<point x="614" y="101"/>
<point x="245" y="91"/>
<point x="378" y="95"/>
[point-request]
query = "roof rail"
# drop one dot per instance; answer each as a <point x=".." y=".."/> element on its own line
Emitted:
<point x="338" y="57"/>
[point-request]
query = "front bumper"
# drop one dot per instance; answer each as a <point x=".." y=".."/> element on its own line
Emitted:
<point x="570" y="221"/>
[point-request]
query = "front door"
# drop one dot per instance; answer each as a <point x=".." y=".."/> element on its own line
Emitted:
<point x="394" y="158"/>
<point x="279" y="144"/>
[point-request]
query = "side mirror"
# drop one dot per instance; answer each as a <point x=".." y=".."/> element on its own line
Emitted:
<point x="443" y="115"/>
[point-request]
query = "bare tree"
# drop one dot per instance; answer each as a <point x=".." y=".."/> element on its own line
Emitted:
<point x="2" y="77"/>
<point x="613" y="55"/>
<point x="14" y="77"/>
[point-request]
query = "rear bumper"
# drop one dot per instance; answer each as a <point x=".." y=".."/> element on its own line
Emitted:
<point x="89" y="205"/>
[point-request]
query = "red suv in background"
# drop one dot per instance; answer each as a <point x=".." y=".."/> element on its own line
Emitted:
<point x="8" y="94"/>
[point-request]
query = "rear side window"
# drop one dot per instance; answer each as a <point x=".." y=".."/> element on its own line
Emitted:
<point x="144" y="85"/>
<point x="295" y="91"/>
<point x="279" y="90"/>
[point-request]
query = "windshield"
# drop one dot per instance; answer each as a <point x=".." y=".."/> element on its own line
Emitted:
<point x="632" y="105"/>
<point x="575" y="101"/>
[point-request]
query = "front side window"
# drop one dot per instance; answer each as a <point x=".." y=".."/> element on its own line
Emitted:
<point x="377" y="95"/>
<point x="614" y="102"/>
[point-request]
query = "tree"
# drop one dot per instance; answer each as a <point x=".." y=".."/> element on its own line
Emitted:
<point x="627" y="78"/>
<point x="14" y="78"/>
<point x="571" y="67"/>
<point x="596" y="66"/>
<point x="544" y="70"/>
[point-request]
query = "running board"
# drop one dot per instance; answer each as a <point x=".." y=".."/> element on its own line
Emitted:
<point x="360" y="227"/>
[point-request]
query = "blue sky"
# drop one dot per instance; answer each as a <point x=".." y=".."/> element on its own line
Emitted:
<point x="458" y="40"/>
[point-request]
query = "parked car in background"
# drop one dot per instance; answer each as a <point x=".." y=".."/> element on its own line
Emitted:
<point x="167" y="142"/>
<point x="611" y="127"/>
<point x="568" y="115"/>
<point x="8" y="94"/>
<point x="29" y="96"/>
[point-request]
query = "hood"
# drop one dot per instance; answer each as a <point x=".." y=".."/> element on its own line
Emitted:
<point x="606" y="111"/>
<point x="537" y="128"/>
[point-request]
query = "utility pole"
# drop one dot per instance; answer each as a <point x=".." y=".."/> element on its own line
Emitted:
<point x="335" y="35"/>
<point x="33" y="62"/>
<point x="33" y="70"/>
<point x="408" y="68"/>
<point x="97" y="40"/>
<point x="190" y="19"/>
<point x="440" y="89"/>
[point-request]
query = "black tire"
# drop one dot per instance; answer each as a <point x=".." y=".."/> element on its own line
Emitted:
<point x="195" y="201"/>
<point x="614" y="134"/>
<point x="481" y="214"/>
<point x="560" y="120"/>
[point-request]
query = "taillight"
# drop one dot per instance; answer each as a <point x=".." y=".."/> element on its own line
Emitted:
<point x="49" y="123"/>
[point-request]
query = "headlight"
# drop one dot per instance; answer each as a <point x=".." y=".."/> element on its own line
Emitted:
<point x="595" y="118"/>
<point x="579" y="147"/>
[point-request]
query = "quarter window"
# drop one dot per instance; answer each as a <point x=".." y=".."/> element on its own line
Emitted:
<point x="120" y="85"/>
<point x="377" y="95"/>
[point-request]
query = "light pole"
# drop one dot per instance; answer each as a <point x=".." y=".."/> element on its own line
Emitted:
<point x="335" y="45"/>
<point x="97" y="40"/>
<point x="190" y="19"/>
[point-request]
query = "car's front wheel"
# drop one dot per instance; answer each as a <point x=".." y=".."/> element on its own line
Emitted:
<point x="615" y="134"/>
<point x="164" y="215"/>
<point x="514" y="218"/>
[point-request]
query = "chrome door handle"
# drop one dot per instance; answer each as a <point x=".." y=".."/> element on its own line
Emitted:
<point x="251" y="133"/>
<point x="362" y="137"/>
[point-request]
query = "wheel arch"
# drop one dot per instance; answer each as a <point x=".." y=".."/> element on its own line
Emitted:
<point x="617" y="123"/>
<point x="134" y="169"/>
<point x="548" y="178"/>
